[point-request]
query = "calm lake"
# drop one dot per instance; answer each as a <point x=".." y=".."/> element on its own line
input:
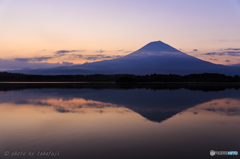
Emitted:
<point x="118" y="122"/>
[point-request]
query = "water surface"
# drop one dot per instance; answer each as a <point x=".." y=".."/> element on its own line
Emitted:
<point x="119" y="123"/>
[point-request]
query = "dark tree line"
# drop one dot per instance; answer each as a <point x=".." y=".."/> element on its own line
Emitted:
<point x="18" y="77"/>
<point x="205" y="77"/>
<point x="206" y="87"/>
<point x="119" y="78"/>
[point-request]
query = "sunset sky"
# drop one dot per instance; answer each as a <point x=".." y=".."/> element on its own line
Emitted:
<point x="47" y="33"/>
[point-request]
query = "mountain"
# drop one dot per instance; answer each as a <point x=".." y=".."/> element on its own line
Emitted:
<point x="155" y="57"/>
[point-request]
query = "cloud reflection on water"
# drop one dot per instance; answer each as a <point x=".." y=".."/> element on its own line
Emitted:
<point x="84" y="124"/>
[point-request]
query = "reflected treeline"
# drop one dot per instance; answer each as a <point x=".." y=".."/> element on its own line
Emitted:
<point x="206" y="87"/>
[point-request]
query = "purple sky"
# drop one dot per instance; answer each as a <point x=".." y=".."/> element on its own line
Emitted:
<point x="32" y="32"/>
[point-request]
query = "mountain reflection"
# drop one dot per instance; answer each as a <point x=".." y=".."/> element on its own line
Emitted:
<point x="154" y="106"/>
<point x="113" y="123"/>
<point x="80" y="105"/>
<point x="226" y="106"/>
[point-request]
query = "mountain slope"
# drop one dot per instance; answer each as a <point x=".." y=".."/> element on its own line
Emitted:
<point x="155" y="57"/>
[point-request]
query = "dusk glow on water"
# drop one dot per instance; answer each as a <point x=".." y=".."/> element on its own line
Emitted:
<point x="86" y="124"/>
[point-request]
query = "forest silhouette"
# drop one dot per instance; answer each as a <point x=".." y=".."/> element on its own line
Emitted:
<point x="119" y="78"/>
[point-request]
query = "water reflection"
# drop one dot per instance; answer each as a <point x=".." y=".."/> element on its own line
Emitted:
<point x="75" y="105"/>
<point x="225" y="106"/>
<point x="113" y="123"/>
